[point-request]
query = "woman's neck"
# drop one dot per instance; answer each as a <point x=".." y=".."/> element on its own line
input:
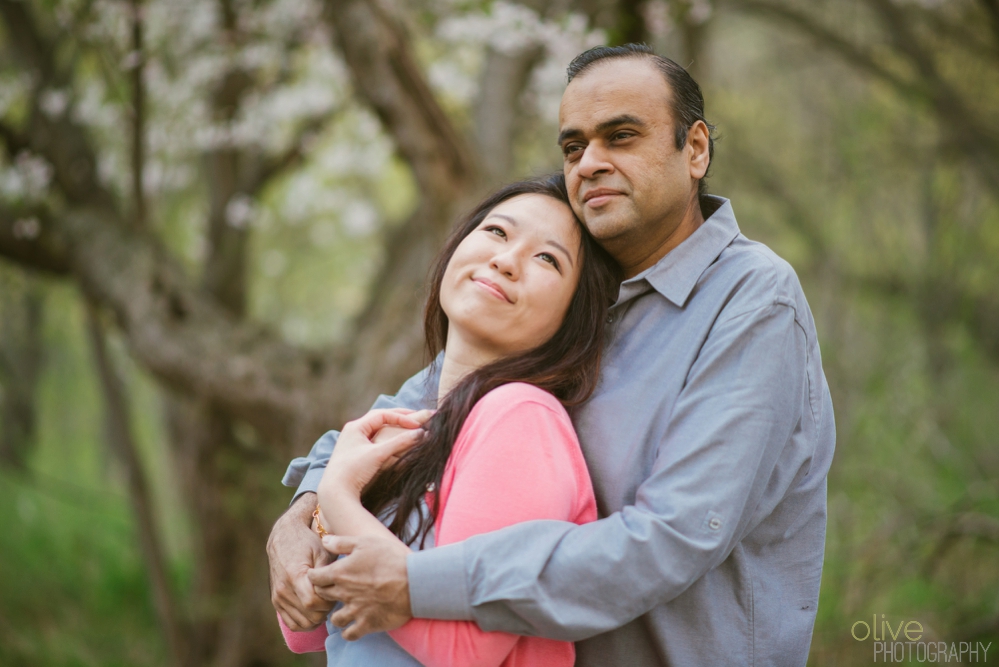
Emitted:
<point x="461" y="357"/>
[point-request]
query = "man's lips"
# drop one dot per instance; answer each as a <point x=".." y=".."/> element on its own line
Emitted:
<point x="599" y="196"/>
<point x="492" y="288"/>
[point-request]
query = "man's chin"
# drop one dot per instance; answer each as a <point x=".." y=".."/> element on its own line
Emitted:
<point x="605" y="225"/>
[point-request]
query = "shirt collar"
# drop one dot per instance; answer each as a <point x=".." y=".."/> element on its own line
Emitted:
<point x="675" y="275"/>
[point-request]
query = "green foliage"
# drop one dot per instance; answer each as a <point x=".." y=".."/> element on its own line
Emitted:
<point x="75" y="590"/>
<point x="894" y="235"/>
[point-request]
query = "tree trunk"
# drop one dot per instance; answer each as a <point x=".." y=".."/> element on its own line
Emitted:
<point x="21" y="348"/>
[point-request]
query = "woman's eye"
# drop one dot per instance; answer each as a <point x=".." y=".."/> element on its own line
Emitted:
<point x="546" y="257"/>
<point x="497" y="231"/>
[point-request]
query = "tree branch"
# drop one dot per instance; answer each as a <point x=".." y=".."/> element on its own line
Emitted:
<point x="501" y="84"/>
<point x="826" y="38"/>
<point x="387" y="339"/>
<point x="29" y="237"/>
<point x="992" y="9"/>
<point x="957" y="120"/>
<point x="59" y="140"/>
<point x="138" y="154"/>
<point x="122" y="443"/>
<point x="386" y="76"/>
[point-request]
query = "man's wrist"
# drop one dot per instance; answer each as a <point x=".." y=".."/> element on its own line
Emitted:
<point x="301" y="510"/>
<point x="437" y="586"/>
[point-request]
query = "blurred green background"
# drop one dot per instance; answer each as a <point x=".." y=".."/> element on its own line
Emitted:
<point x="858" y="138"/>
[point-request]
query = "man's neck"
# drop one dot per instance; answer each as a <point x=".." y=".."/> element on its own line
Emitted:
<point x="691" y="219"/>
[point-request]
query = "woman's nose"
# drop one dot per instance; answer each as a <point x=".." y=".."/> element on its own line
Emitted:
<point x="506" y="262"/>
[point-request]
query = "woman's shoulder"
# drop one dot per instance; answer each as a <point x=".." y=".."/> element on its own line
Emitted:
<point x="521" y="411"/>
<point x="517" y="396"/>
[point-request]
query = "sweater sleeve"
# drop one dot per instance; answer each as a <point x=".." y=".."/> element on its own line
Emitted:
<point x="516" y="459"/>
<point x="304" y="642"/>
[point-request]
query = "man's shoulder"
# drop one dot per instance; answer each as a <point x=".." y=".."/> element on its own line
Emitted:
<point x="753" y="275"/>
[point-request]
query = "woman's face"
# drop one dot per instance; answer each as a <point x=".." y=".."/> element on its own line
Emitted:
<point x="509" y="283"/>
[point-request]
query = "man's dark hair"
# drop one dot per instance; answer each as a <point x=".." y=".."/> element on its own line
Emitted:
<point x="686" y="101"/>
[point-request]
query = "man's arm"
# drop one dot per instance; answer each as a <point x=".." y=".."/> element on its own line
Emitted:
<point x="293" y="548"/>
<point x="708" y="488"/>
<point x="711" y="483"/>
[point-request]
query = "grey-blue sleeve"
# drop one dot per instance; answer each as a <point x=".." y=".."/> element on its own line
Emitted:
<point x="711" y="482"/>
<point x="417" y="393"/>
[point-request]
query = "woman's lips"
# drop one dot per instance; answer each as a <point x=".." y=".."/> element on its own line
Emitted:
<point x="492" y="288"/>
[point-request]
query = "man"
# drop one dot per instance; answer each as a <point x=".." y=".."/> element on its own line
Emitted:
<point x="708" y="440"/>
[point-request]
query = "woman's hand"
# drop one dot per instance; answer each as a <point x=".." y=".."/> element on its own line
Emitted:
<point x="360" y="453"/>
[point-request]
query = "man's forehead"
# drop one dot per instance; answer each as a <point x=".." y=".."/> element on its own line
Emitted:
<point x="624" y="87"/>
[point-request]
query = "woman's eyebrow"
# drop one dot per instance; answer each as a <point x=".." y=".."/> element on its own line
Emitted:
<point x="551" y="242"/>
<point x="561" y="247"/>
<point x="505" y="217"/>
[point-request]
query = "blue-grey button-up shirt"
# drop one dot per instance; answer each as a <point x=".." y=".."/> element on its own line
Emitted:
<point x="708" y="439"/>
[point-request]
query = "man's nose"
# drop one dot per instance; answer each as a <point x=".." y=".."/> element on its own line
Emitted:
<point x="594" y="161"/>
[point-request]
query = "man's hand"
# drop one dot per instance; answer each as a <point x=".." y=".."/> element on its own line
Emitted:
<point x="293" y="549"/>
<point x="371" y="582"/>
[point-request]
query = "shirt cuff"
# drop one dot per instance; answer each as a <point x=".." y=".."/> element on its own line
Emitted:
<point x="437" y="586"/>
<point x="310" y="482"/>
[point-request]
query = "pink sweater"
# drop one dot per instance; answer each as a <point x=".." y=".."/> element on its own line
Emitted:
<point x="516" y="459"/>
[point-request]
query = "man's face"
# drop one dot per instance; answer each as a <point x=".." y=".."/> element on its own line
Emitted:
<point x="627" y="181"/>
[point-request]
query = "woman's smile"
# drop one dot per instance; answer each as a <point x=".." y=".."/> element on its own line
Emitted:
<point x="509" y="283"/>
<point x="492" y="288"/>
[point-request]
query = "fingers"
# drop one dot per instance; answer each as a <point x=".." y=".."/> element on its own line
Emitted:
<point x="375" y="419"/>
<point x="295" y="600"/>
<point x="313" y="607"/>
<point x="339" y="545"/>
<point x="322" y="577"/>
<point x="422" y="416"/>
<point x="295" y="620"/>
<point x="356" y="630"/>
<point x="285" y="602"/>
<point x="342" y="617"/>
<point x="353" y="628"/>
<point x="398" y="444"/>
<point x="330" y="594"/>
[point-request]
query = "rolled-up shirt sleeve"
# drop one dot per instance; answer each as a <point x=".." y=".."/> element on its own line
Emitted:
<point x="711" y="482"/>
<point x="417" y="393"/>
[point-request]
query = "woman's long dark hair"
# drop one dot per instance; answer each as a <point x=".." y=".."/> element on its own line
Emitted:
<point x="566" y="365"/>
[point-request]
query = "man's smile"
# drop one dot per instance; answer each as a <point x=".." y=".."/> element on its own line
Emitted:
<point x="597" y="197"/>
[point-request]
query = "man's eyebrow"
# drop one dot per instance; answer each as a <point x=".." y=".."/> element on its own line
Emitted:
<point x="617" y="121"/>
<point x="569" y="133"/>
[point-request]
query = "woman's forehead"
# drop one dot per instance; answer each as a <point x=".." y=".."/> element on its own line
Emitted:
<point x="538" y="212"/>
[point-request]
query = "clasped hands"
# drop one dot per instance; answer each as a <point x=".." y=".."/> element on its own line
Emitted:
<point x="371" y="579"/>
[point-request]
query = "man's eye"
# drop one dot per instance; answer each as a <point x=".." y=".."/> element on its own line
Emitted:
<point x="497" y="231"/>
<point x="620" y="136"/>
<point x="571" y="149"/>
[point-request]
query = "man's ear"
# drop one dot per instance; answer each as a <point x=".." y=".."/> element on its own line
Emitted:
<point x="698" y="143"/>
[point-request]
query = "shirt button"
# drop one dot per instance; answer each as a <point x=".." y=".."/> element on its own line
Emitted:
<point x="715" y="523"/>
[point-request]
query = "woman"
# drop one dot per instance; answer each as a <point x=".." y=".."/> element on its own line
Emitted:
<point x="517" y="303"/>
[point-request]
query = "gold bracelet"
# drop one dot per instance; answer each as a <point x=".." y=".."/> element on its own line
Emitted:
<point x="319" y="524"/>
